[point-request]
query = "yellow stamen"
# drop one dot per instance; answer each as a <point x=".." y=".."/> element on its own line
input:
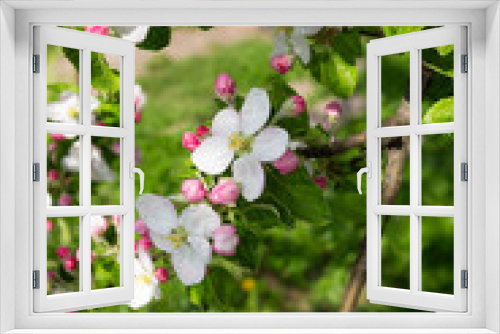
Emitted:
<point x="144" y="279"/>
<point x="177" y="237"/>
<point x="236" y="141"/>
<point x="73" y="112"/>
<point x="248" y="284"/>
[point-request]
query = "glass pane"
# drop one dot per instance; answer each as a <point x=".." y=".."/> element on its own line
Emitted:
<point x="437" y="84"/>
<point x="395" y="252"/>
<point x="437" y="169"/>
<point x="63" y="85"/>
<point x="63" y="169"/>
<point x="105" y="232"/>
<point x="62" y="255"/>
<point x="395" y="171"/>
<point x="437" y="254"/>
<point x="105" y="171"/>
<point x="395" y="84"/>
<point x="105" y="81"/>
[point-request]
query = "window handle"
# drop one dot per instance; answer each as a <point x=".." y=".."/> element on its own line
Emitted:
<point x="368" y="171"/>
<point x="141" y="175"/>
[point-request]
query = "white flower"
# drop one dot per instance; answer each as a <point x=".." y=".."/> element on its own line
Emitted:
<point x="49" y="200"/>
<point x="296" y="40"/>
<point x="67" y="110"/>
<point x="184" y="237"/>
<point x="236" y="133"/>
<point x="145" y="282"/>
<point x="139" y="97"/>
<point x="134" y="34"/>
<point x="100" y="170"/>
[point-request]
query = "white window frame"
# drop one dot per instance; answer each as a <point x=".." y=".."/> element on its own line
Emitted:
<point x="483" y="21"/>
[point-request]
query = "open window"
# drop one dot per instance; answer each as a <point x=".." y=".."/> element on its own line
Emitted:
<point x="405" y="139"/>
<point x="72" y="123"/>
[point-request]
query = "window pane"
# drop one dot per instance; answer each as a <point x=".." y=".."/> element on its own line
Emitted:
<point x="395" y="252"/>
<point x="395" y="171"/>
<point x="437" y="84"/>
<point x="437" y="169"/>
<point x="62" y="255"/>
<point x="63" y="85"/>
<point x="395" y="84"/>
<point x="437" y="254"/>
<point x="63" y="169"/>
<point x="105" y="81"/>
<point x="105" y="171"/>
<point x="105" y="232"/>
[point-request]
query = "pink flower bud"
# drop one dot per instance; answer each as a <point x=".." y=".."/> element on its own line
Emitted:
<point x="225" y="192"/>
<point x="190" y="141"/>
<point x="57" y="137"/>
<point x="101" y="124"/>
<point x="51" y="275"/>
<point x="138" y="117"/>
<point x="69" y="263"/>
<point x="50" y="225"/>
<point x="161" y="274"/>
<point x="98" y="225"/>
<point x="63" y="251"/>
<point x="141" y="227"/>
<point x="287" y="163"/>
<point x="193" y="190"/>
<point x="321" y="181"/>
<point x="225" y="87"/>
<point x="202" y="131"/>
<point x="101" y="30"/>
<point x="333" y="109"/>
<point x="299" y="105"/>
<point x="145" y="243"/>
<point x="116" y="220"/>
<point x="53" y="175"/>
<point x="225" y="240"/>
<point x="51" y="147"/>
<point x="282" y="63"/>
<point x="65" y="200"/>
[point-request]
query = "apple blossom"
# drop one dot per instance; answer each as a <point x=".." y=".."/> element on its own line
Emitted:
<point x="57" y="137"/>
<point x="145" y="242"/>
<point x="50" y="225"/>
<point x="225" y="239"/>
<point x="225" y="192"/>
<point x="202" y="131"/>
<point x="62" y="252"/>
<point x="225" y="87"/>
<point x="134" y="34"/>
<point x="282" y="63"/>
<point x="185" y="237"/>
<point x="145" y="282"/>
<point x="101" y="30"/>
<point x="69" y="263"/>
<point x="67" y="110"/>
<point x="190" y="141"/>
<point x="284" y="42"/>
<point x="299" y="105"/>
<point x="287" y="163"/>
<point x="235" y="134"/>
<point x="116" y="219"/>
<point x="193" y="190"/>
<point x="100" y="170"/>
<point x="98" y="226"/>
<point x="65" y="199"/>
<point x="333" y="110"/>
<point x="161" y="274"/>
<point x="53" y="174"/>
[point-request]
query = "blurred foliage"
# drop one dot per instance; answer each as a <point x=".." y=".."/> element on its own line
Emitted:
<point x="298" y="242"/>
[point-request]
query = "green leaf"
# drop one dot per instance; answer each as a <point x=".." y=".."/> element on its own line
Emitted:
<point x="235" y="270"/>
<point x="444" y="50"/>
<point x="440" y="112"/>
<point x="156" y="39"/>
<point x="349" y="46"/>
<point x="205" y="28"/>
<point x="393" y="31"/>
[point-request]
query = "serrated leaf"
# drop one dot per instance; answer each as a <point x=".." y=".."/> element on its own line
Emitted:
<point x="156" y="39"/>
<point x="440" y="112"/>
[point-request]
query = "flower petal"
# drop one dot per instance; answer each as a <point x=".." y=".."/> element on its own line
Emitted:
<point x="134" y="34"/>
<point x="225" y="123"/>
<point x="270" y="144"/>
<point x="301" y="47"/>
<point x="157" y="212"/>
<point x="280" y="44"/>
<point x="306" y="30"/>
<point x="213" y="155"/>
<point x="200" y="220"/>
<point x="248" y="171"/>
<point x="201" y="246"/>
<point x="189" y="265"/>
<point x="161" y="241"/>
<point x="255" y="111"/>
